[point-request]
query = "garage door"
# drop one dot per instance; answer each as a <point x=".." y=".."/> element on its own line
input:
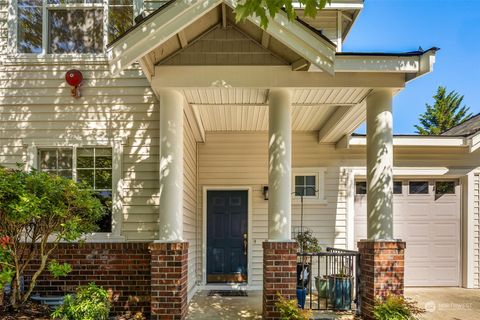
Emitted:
<point x="427" y="217"/>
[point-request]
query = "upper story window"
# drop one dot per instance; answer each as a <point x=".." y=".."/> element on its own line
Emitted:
<point x="70" y="26"/>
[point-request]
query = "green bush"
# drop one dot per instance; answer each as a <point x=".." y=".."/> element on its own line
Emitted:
<point x="289" y="309"/>
<point x="37" y="212"/>
<point x="90" y="303"/>
<point x="396" y="308"/>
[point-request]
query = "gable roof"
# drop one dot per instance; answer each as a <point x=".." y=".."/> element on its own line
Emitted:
<point x="175" y="16"/>
<point x="466" y="128"/>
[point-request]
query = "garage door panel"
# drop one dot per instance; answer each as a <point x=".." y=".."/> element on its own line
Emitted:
<point x="431" y="228"/>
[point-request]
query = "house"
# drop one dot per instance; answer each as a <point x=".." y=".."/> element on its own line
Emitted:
<point x="187" y="118"/>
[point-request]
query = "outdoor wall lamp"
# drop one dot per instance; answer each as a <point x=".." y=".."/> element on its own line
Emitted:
<point x="265" y="192"/>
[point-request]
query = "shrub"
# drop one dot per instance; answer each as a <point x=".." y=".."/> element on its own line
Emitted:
<point x="289" y="309"/>
<point x="37" y="211"/>
<point x="90" y="303"/>
<point x="396" y="308"/>
<point x="307" y="242"/>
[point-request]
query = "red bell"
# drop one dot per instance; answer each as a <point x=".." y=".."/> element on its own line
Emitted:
<point x="74" y="78"/>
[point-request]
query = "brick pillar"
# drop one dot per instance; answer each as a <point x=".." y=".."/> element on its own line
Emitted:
<point x="381" y="272"/>
<point x="279" y="275"/>
<point x="169" y="268"/>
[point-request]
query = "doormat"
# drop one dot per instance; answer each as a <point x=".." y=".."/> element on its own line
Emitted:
<point x="228" y="293"/>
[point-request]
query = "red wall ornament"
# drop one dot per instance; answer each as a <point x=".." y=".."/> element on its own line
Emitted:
<point x="74" y="78"/>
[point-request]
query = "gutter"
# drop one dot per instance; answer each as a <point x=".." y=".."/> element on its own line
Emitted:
<point x="415" y="141"/>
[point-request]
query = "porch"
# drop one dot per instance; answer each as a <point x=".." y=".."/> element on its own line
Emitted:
<point x="242" y="95"/>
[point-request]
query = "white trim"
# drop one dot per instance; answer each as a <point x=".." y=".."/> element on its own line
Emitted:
<point x="268" y="77"/>
<point x="335" y="5"/>
<point x="350" y="228"/>
<point x="249" y="190"/>
<point x="405" y="172"/>
<point x="181" y="14"/>
<point x="412" y="141"/>
<point x="32" y="146"/>
<point x="467" y="231"/>
<point x="319" y="173"/>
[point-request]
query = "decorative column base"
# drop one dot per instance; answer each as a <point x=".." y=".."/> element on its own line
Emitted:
<point x="279" y="275"/>
<point x="169" y="269"/>
<point x="381" y="272"/>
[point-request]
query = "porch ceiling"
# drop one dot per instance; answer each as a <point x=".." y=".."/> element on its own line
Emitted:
<point x="235" y="109"/>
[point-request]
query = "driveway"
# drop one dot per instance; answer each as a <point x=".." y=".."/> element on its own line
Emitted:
<point x="447" y="303"/>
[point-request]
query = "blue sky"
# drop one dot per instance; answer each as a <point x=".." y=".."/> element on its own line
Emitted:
<point x="404" y="25"/>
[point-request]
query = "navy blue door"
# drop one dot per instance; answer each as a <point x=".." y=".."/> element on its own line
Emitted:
<point x="227" y="246"/>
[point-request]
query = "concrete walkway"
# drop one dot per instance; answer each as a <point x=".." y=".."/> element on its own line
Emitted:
<point x="447" y="303"/>
<point x="203" y="307"/>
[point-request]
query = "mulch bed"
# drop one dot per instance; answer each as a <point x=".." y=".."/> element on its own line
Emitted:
<point x="35" y="311"/>
<point x="31" y="311"/>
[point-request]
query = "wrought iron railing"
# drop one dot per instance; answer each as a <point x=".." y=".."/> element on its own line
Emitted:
<point x="329" y="280"/>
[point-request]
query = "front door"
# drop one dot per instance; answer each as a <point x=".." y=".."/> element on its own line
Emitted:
<point x="227" y="247"/>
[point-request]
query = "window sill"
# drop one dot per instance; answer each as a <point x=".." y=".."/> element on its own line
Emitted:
<point x="103" y="237"/>
<point x="34" y="58"/>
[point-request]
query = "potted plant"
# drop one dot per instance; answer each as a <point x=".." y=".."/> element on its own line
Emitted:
<point x="321" y="283"/>
<point x="340" y="291"/>
<point x="307" y="243"/>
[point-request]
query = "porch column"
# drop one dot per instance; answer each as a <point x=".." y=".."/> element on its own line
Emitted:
<point x="169" y="254"/>
<point x="381" y="257"/>
<point x="279" y="165"/>
<point x="279" y="252"/>
<point x="380" y="166"/>
<point x="171" y="166"/>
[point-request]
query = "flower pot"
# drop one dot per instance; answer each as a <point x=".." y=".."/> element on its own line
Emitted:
<point x="340" y="292"/>
<point x="51" y="301"/>
<point x="322" y="287"/>
<point x="301" y="297"/>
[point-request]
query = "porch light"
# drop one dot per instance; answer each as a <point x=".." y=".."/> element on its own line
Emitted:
<point x="265" y="192"/>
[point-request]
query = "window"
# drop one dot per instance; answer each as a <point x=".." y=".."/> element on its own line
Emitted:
<point x="361" y="187"/>
<point x="418" y="187"/>
<point x="70" y="26"/>
<point x="397" y="187"/>
<point x="93" y="166"/>
<point x="309" y="183"/>
<point x="305" y="185"/>
<point x="57" y="161"/>
<point x="444" y="187"/>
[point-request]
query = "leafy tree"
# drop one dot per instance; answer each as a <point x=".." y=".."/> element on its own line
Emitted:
<point x="37" y="212"/>
<point x="265" y="9"/>
<point x="446" y="113"/>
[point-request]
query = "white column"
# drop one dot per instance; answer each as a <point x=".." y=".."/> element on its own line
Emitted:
<point x="171" y="165"/>
<point x="380" y="166"/>
<point x="468" y="230"/>
<point x="279" y="165"/>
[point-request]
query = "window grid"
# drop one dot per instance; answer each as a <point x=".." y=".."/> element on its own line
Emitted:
<point x="83" y="5"/>
<point x="105" y="194"/>
<point x="306" y="185"/>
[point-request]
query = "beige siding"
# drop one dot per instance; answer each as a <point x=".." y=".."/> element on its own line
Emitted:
<point x="241" y="160"/>
<point x="476" y="208"/>
<point x="190" y="216"/>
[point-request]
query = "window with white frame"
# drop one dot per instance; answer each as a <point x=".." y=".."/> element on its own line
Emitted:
<point x="308" y="183"/>
<point x="90" y="165"/>
<point x="70" y="26"/>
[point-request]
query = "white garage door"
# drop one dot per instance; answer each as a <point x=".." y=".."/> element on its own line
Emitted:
<point x="427" y="217"/>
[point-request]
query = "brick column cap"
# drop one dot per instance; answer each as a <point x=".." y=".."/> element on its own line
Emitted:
<point x="397" y="244"/>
